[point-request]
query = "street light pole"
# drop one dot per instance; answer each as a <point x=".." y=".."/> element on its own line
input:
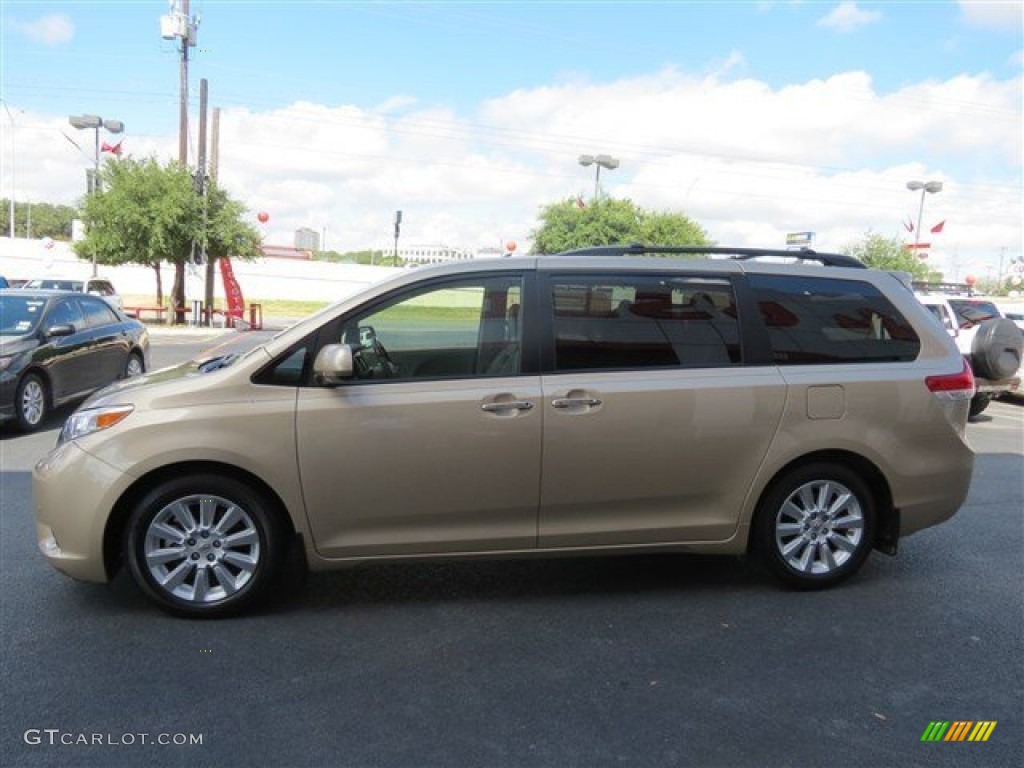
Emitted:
<point x="600" y="161"/>
<point x="95" y="122"/>
<point x="929" y="187"/>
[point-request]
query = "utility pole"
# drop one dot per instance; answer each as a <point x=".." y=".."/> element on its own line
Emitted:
<point x="183" y="103"/>
<point x="178" y="25"/>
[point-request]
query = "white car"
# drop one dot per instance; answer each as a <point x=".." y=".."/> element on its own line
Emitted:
<point x="97" y="286"/>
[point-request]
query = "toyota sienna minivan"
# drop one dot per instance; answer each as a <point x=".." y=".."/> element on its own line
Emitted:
<point x="799" y="408"/>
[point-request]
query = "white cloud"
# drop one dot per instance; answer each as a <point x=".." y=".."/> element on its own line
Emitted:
<point x="748" y="161"/>
<point x="847" y="17"/>
<point x="49" y="30"/>
<point x="993" y="14"/>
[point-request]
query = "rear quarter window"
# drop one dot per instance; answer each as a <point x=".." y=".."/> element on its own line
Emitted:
<point x="813" y="320"/>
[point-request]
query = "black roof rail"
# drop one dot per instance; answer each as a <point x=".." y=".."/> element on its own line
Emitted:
<point x="639" y="249"/>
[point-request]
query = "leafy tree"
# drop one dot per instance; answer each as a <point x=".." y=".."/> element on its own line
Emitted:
<point x="146" y="214"/>
<point x="879" y="252"/>
<point x="37" y="219"/>
<point x="570" y="224"/>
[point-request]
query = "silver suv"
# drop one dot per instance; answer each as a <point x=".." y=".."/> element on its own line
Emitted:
<point x="595" y="401"/>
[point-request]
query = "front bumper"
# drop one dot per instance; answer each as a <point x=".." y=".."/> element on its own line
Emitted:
<point x="74" y="493"/>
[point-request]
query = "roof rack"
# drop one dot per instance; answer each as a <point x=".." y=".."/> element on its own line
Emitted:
<point x="743" y="254"/>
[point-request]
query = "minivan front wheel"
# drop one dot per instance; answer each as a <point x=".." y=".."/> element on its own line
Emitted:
<point x="203" y="546"/>
<point x="816" y="526"/>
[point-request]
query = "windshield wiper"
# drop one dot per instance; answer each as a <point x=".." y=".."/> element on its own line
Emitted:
<point x="216" y="363"/>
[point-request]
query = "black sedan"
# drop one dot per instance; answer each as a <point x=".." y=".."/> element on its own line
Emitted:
<point x="58" y="346"/>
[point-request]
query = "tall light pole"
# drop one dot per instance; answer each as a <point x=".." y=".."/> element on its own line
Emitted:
<point x="929" y="187"/>
<point x="95" y="122"/>
<point x="600" y="161"/>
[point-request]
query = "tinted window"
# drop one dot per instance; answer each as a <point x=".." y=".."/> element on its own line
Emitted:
<point x="102" y="287"/>
<point x="824" y="320"/>
<point x="66" y="313"/>
<point x="97" y="312"/>
<point x="455" y="329"/>
<point x="971" y="313"/>
<point x="641" y="321"/>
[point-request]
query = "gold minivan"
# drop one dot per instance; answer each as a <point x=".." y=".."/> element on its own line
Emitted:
<point x="803" y="409"/>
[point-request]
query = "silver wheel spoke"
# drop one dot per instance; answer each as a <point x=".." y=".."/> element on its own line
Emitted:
<point x="202" y="585"/>
<point x="848" y="523"/>
<point x="228" y="521"/>
<point x="165" y="555"/>
<point x="825" y="555"/>
<point x="177" y="576"/>
<point x="207" y="509"/>
<point x="844" y="543"/>
<point x="245" y="562"/>
<point x="225" y="579"/>
<point x="789" y="529"/>
<point x="242" y="539"/>
<point x="165" y="532"/>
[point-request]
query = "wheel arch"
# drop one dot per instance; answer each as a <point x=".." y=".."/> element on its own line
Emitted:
<point x="887" y="523"/>
<point x="114" y="530"/>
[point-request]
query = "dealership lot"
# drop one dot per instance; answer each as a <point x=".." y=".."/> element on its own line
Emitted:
<point x="645" y="661"/>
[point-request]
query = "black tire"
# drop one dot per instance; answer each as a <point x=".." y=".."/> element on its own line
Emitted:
<point x="978" y="404"/>
<point x="996" y="349"/>
<point x="31" y="402"/>
<point x="208" y="567"/>
<point x="806" y="534"/>
<point x="135" y="366"/>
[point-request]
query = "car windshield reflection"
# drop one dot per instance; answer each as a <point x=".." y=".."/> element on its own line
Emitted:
<point x="19" y="315"/>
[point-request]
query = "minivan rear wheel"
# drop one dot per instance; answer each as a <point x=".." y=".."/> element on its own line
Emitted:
<point x="816" y="526"/>
<point x="204" y="546"/>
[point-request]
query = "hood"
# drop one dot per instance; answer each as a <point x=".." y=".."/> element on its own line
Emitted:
<point x="185" y="377"/>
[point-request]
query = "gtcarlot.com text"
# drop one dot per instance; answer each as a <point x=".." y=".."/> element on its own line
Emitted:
<point x="55" y="737"/>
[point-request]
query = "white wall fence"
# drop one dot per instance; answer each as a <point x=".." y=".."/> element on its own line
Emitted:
<point x="260" y="280"/>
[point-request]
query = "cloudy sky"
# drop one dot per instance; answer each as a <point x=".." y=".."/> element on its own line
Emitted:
<point x="754" y="118"/>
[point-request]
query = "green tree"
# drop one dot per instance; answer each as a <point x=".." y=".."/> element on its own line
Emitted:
<point x="568" y="224"/>
<point x="37" y="219"/>
<point x="879" y="252"/>
<point x="146" y="214"/>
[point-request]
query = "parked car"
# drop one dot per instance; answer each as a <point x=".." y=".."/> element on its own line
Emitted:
<point x="592" y="402"/>
<point x="990" y="343"/>
<point x="97" y="286"/>
<point x="4" y="283"/>
<point x="58" y="346"/>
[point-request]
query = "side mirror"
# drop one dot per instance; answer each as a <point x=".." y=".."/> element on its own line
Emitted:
<point x="56" y="331"/>
<point x="334" y="364"/>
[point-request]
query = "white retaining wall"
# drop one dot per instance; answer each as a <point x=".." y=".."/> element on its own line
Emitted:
<point x="261" y="279"/>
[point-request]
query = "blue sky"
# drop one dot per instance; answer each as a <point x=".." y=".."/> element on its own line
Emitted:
<point x="875" y="91"/>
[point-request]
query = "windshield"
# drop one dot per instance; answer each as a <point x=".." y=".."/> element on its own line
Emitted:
<point x="971" y="313"/>
<point x="20" y="315"/>
<point x="56" y="285"/>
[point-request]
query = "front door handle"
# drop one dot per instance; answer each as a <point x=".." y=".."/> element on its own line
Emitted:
<point x="509" y="405"/>
<point x="575" y="402"/>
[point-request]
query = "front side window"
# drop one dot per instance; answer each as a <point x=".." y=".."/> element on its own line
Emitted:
<point x="644" y="321"/>
<point x="827" y="320"/>
<point x="454" y="329"/>
<point x="66" y="313"/>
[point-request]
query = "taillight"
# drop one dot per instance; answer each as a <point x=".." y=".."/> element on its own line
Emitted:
<point x="952" y="386"/>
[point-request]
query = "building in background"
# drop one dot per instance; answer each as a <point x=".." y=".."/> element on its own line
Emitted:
<point x="307" y="239"/>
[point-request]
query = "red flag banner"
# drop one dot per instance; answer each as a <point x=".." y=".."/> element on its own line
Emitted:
<point x="114" y="149"/>
<point x="232" y="290"/>
<point x="918" y="246"/>
<point x="938" y="227"/>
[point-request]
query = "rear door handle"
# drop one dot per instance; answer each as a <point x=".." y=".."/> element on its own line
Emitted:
<point x="575" y="402"/>
<point x="509" y="405"/>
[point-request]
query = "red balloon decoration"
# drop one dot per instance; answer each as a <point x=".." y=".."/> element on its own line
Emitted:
<point x="263" y="216"/>
<point x="970" y="280"/>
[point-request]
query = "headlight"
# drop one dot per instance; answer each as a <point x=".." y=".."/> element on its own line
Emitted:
<point x="82" y="423"/>
<point x="5" y="361"/>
